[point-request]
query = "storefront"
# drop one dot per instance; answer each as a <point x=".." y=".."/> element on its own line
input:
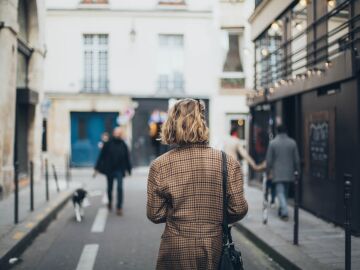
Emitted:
<point x="309" y="81"/>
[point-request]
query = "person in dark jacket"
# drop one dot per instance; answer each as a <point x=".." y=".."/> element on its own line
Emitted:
<point x="282" y="160"/>
<point x="114" y="162"/>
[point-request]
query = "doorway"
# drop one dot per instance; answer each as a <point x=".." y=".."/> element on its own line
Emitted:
<point x="145" y="147"/>
<point x="86" y="131"/>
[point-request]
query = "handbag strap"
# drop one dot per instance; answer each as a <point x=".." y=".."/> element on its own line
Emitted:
<point x="227" y="239"/>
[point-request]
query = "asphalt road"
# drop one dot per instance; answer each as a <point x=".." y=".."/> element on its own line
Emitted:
<point x="105" y="241"/>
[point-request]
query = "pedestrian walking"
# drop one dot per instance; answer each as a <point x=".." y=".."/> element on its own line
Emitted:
<point x="104" y="139"/>
<point x="185" y="192"/>
<point x="234" y="148"/>
<point x="114" y="162"/>
<point x="282" y="160"/>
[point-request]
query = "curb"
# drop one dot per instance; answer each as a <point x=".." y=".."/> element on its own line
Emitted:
<point x="15" y="249"/>
<point x="273" y="253"/>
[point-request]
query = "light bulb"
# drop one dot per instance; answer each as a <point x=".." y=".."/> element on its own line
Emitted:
<point x="298" y="26"/>
<point x="331" y="3"/>
<point x="275" y="26"/>
<point x="264" y="52"/>
<point x="303" y="3"/>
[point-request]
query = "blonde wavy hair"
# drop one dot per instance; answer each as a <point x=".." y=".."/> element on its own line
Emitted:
<point x="185" y="123"/>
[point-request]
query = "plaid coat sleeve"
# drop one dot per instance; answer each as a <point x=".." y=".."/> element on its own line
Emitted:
<point x="237" y="205"/>
<point x="156" y="207"/>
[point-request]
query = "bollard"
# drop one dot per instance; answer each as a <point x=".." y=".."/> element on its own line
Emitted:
<point x="67" y="167"/>
<point x="296" y="209"/>
<point x="47" y="179"/>
<point x="31" y="186"/>
<point x="56" y="178"/>
<point x="347" y="223"/>
<point x="16" y="191"/>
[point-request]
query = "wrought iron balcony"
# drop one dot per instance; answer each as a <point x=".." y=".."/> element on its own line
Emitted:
<point x="310" y="51"/>
<point x="95" y="86"/>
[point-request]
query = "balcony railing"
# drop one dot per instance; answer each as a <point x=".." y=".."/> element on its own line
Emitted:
<point x="168" y="85"/>
<point x="95" y="86"/>
<point x="285" y="63"/>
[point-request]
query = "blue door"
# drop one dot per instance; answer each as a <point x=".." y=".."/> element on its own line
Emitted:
<point x="86" y="130"/>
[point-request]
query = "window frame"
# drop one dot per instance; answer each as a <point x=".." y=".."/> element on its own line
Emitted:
<point x="95" y="82"/>
<point x="229" y="76"/>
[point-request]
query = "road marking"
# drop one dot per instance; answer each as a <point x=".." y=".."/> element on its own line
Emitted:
<point x="105" y="199"/>
<point x="88" y="256"/>
<point x="29" y="225"/>
<point x="100" y="220"/>
<point x="18" y="235"/>
<point x="94" y="193"/>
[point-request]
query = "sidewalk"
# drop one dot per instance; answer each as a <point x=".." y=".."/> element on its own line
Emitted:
<point x="321" y="244"/>
<point x="15" y="238"/>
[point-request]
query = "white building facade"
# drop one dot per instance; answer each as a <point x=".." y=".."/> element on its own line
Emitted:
<point x="236" y="75"/>
<point x="112" y="57"/>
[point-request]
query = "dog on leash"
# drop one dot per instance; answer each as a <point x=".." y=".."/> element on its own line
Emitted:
<point x="78" y="199"/>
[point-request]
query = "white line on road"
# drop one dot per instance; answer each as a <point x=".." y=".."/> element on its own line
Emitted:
<point x="88" y="256"/>
<point x="100" y="220"/>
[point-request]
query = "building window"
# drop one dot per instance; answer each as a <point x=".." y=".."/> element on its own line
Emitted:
<point x="95" y="63"/>
<point x="338" y="29"/>
<point x="171" y="64"/>
<point x="270" y="64"/>
<point x="233" y="68"/>
<point x="23" y="20"/>
<point x="299" y="16"/>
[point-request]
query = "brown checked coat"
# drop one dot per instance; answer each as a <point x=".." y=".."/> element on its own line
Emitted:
<point x="185" y="192"/>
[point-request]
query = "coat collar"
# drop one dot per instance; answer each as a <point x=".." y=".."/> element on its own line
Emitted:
<point x="194" y="145"/>
<point x="282" y="135"/>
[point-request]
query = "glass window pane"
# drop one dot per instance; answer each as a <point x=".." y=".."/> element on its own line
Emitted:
<point x="103" y="39"/>
<point x="233" y="62"/>
<point x="298" y="45"/>
<point x="88" y="67"/>
<point x="23" y="20"/>
<point x="103" y="69"/>
<point x="171" y="62"/>
<point x="338" y="29"/>
<point x="96" y="62"/>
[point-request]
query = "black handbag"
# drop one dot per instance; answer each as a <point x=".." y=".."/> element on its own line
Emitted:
<point x="231" y="259"/>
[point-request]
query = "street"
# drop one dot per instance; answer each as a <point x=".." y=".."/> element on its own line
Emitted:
<point x="105" y="241"/>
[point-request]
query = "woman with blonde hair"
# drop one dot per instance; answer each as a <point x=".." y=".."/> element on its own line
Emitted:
<point x="185" y="191"/>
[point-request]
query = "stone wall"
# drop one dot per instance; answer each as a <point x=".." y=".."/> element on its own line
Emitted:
<point x="8" y="72"/>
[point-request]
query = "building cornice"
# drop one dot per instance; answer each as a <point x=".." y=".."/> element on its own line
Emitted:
<point x="265" y="13"/>
<point x="257" y="10"/>
<point x="152" y="12"/>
